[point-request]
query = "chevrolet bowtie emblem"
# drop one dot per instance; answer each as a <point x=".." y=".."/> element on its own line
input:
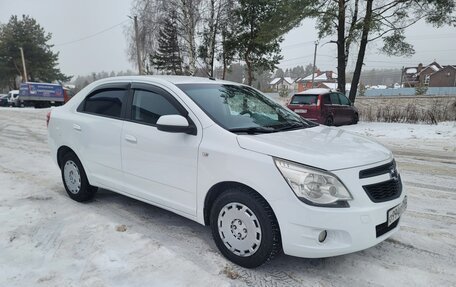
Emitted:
<point x="393" y="173"/>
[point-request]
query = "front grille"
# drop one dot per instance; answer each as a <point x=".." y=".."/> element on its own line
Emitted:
<point x="384" y="191"/>
<point x="378" y="170"/>
<point x="384" y="228"/>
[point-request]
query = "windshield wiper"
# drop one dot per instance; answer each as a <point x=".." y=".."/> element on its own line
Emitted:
<point x="253" y="130"/>
<point x="290" y="126"/>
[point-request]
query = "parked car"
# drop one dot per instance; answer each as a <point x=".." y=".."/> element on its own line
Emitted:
<point x="3" y="100"/>
<point x="14" y="99"/>
<point x="222" y="154"/>
<point x="324" y="106"/>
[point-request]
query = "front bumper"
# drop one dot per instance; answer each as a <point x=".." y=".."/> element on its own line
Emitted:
<point x="348" y="229"/>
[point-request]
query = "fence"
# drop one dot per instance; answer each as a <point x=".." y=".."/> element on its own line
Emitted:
<point x="432" y="91"/>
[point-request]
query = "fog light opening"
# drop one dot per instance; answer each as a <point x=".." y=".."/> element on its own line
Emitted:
<point x="322" y="236"/>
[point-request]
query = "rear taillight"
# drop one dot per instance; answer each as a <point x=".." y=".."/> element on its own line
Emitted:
<point x="48" y="118"/>
<point x="318" y="102"/>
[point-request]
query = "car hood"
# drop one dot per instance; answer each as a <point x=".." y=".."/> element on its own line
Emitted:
<point x="321" y="147"/>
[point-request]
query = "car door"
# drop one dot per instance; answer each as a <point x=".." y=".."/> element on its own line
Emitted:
<point x="326" y="107"/>
<point x="336" y="109"/>
<point x="159" y="166"/>
<point x="346" y="110"/>
<point x="96" y="129"/>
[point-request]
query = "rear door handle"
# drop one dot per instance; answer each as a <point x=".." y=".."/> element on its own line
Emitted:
<point x="130" y="138"/>
<point x="77" y="127"/>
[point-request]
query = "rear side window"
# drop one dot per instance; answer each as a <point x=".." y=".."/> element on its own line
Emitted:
<point x="304" y="100"/>
<point x="148" y="106"/>
<point x="106" y="103"/>
<point x="343" y="100"/>
<point x="335" y="99"/>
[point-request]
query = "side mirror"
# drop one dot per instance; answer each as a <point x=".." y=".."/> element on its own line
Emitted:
<point x="175" y="124"/>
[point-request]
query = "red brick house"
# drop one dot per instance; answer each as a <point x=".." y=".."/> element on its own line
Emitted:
<point x="445" y="77"/>
<point x="432" y="75"/>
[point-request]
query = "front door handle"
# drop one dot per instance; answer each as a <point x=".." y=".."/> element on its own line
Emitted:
<point x="130" y="138"/>
<point x="77" y="127"/>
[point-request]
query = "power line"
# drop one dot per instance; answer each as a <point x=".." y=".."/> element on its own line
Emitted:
<point x="306" y="56"/>
<point x="298" y="44"/>
<point x="92" y="35"/>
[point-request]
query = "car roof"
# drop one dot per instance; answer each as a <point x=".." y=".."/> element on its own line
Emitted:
<point x="317" y="91"/>
<point x="176" y="80"/>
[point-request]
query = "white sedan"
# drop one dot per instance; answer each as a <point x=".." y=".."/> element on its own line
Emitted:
<point x="224" y="155"/>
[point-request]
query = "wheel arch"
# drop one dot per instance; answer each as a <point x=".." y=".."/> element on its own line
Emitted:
<point x="217" y="189"/>
<point x="62" y="151"/>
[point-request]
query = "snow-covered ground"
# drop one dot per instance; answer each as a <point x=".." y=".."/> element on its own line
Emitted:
<point x="46" y="239"/>
<point x="436" y="138"/>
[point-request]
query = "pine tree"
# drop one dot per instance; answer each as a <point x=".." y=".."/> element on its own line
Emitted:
<point x="168" y="58"/>
<point x="40" y="59"/>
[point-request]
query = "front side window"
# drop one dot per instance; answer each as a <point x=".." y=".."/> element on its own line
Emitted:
<point x="239" y="108"/>
<point x="326" y="99"/>
<point x="106" y="103"/>
<point x="335" y="99"/>
<point x="343" y="100"/>
<point x="148" y="106"/>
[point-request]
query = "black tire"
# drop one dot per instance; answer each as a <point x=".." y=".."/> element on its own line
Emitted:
<point x="85" y="191"/>
<point x="270" y="241"/>
<point x="355" y="119"/>
<point x="329" y="121"/>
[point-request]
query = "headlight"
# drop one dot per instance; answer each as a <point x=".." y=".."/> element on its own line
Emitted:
<point x="313" y="186"/>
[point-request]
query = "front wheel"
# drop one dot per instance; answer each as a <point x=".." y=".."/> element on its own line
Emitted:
<point x="244" y="228"/>
<point x="75" y="179"/>
<point x="329" y="121"/>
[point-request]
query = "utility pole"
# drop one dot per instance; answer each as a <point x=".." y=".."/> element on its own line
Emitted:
<point x="138" y="50"/>
<point x="25" y="78"/>
<point x="315" y="59"/>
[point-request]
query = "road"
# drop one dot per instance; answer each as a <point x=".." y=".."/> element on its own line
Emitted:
<point x="46" y="239"/>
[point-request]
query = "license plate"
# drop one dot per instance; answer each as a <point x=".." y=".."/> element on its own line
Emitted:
<point x="301" y="111"/>
<point x="396" y="212"/>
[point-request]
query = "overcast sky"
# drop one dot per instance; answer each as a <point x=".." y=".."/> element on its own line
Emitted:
<point x="70" y="22"/>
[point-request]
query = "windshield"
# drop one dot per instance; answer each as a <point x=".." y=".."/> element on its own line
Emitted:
<point x="239" y="108"/>
<point x="304" y="100"/>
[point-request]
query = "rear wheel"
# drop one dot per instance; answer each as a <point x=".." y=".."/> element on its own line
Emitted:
<point x="75" y="179"/>
<point x="244" y="228"/>
<point x="329" y="121"/>
<point x="355" y="119"/>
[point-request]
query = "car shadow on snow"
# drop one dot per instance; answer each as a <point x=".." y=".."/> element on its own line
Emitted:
<point x="194" y="241"/>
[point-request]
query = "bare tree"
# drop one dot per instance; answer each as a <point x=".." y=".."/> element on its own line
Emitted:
<point x="188" y="17"/>
<point x="362" y="22"/>
<point x="149" y="13"/>
<point x="216" y="23"/>
<point x="227" y="49"/>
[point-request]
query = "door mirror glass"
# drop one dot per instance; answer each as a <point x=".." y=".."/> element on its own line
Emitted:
<point x="173" y="124"/>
